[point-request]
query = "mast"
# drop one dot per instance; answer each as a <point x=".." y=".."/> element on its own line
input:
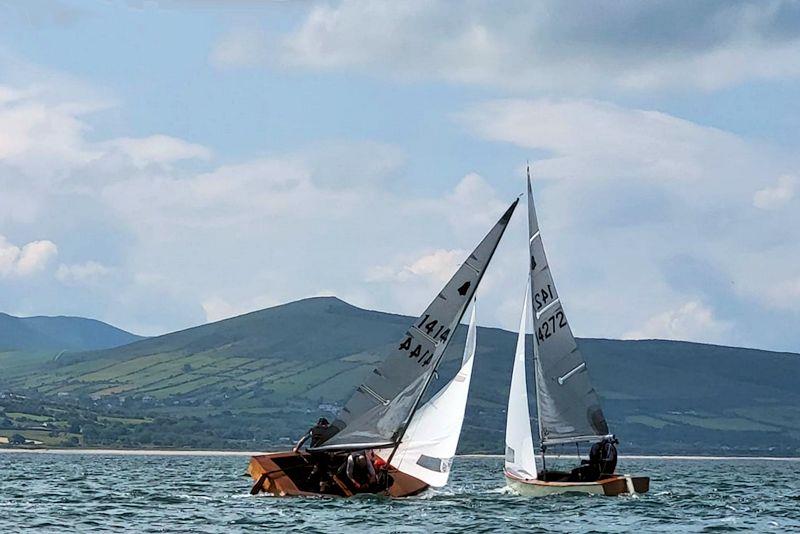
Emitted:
<point x="536" y="362"/>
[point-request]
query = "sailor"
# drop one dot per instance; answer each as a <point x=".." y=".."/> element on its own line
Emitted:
<point x="317" y="434"/>
<point x="603" y="457"/>
<point x="359" y="470"/>
<point x="606" y="454"/>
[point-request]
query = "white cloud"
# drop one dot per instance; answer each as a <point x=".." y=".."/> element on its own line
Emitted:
<point x="777" y="196"/>
<point x="27" y="260"/>
<point x="157" y="149"/>
<point x="627" y="197"/>
<point x="692" y="321"/>
<point x="42" y="138"/>
<point x="81" y="273"/>
<point x="437" y="266"/>
<point x="524" y="45"/>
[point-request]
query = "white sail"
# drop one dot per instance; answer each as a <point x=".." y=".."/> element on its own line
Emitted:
<point x="520" y="459"/>
<point x="430" y="442"/>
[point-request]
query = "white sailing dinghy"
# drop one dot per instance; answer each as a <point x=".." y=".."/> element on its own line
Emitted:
<point x="381" y="410"/>
<point x="568" y="407"/>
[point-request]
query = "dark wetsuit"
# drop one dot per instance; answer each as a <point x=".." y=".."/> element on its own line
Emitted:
<point x="602" y="461"/>
<point x="319" y="474"/>
<point x="603" y="456"/>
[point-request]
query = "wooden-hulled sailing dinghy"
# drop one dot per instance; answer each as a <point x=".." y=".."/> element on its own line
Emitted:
<point x="568" y="407"/>
<point x="384" y="415"/>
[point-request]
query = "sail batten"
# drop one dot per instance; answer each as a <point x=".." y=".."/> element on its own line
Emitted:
<point x="568" y="407"/>
<point x="401" y="379"/>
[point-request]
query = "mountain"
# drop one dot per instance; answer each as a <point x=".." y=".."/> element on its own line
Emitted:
<point x="266" y="375"/>
<point x="59" y="333"/>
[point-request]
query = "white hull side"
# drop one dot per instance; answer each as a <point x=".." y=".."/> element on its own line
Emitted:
<point x="540" y="489"/>
<point x="616" y="485"/>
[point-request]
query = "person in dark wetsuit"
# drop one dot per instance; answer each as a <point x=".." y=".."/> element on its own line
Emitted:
<point x="603" y="455"/>
<point x="317" y="434"/>
<point x="602" y="461"/>
<point x="359" y="472"/>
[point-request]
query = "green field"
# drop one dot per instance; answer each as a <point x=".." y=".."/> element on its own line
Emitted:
<point x="265" y="376"/>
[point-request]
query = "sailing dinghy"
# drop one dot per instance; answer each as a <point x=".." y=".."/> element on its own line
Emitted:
<point x="568" y="407"/>
<point x="384" y="414"/>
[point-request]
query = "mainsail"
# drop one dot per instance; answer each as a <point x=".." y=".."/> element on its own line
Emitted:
<point x="568" y="406"/>
<point x="380" y="409"/>
<point x="431" y="439"/>
<point x="520" y="460"/>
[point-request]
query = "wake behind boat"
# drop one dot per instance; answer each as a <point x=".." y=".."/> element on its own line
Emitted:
<point x="568" y="408"/>
<point x="383" y="441"/>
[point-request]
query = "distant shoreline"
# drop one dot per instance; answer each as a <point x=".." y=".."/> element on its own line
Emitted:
<point x="188" y="452"/>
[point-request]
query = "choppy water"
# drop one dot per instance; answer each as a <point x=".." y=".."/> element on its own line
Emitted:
<point x="96" y="493"/>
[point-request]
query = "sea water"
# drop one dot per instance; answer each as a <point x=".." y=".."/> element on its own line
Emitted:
<point x="99" y="493"/>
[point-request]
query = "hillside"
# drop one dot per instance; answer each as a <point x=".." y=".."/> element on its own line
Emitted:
<point x="263" y="377"/>
<point x="59" y="333"/>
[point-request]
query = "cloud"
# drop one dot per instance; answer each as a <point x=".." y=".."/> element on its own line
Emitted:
<point x="538" y="45"/>
<point x="27" y="260"/>
<point x="777" y="196"/>
<point x="626" y="197"/>
<point x="42" y="138"/>
<point x="437" y="266"/>
<point x="81" y="273"/>
<point x="693" y="321"/>
<point x="157" y="149"/>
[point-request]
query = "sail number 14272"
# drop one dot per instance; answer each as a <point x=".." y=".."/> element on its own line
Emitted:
<point x="550" y="325"/>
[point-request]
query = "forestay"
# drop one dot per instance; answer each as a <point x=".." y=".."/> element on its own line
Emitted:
<point x="568" y="406"/>
<point x="378" y="412"/>
<point x="431" y="439"/>
<point x="520" y="460"/>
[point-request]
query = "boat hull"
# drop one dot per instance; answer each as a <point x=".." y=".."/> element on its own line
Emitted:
<point x="610" y="486"/>
<point x="286" y="474"/>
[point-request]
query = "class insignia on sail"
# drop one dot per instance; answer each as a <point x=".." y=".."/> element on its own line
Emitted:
<point x="567" y="406"/>
<point x="384" y="440"/>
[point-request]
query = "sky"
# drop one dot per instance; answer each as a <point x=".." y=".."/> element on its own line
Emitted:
<point x="168" y="163"/>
